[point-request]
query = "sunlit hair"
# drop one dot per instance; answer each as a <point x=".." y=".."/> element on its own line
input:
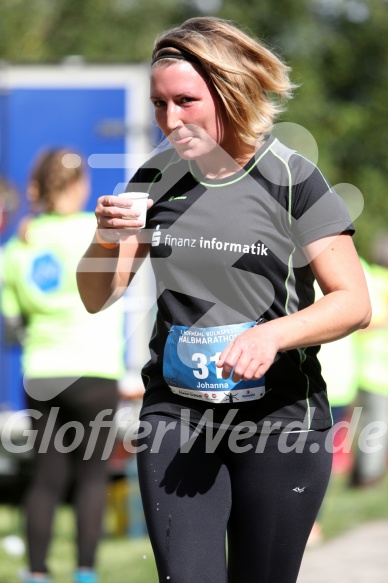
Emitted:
<point x="250" y="80"/>
<point x="53" y="172"/>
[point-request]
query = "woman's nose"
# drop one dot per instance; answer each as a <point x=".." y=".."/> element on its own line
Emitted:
<point x="173" y="117"/>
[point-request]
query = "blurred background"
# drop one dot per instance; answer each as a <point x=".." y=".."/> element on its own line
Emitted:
<point x="75" y="73"/>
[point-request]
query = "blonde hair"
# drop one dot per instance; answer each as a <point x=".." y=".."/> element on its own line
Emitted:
<point x="249" y="79"/>
<point x="53" y="171"/>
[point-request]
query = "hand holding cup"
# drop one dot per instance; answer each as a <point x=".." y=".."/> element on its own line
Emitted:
<point x="126" y="212"/>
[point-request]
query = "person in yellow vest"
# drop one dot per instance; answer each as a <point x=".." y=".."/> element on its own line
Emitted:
<point x="70" y="369"/>
<point x="372" y="357"/>
<point x="339" y="370"/>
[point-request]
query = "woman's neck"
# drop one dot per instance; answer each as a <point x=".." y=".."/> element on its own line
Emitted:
<point x="221" y="163"/>
<point x="72" y="199"/>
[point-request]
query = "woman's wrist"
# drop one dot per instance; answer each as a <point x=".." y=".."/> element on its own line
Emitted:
<point x="106" y="244"/>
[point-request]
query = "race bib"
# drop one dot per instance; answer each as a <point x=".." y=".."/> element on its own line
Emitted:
<point x="189" y="365"/>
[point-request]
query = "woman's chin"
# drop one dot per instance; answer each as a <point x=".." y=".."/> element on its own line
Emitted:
<point x="187" y="153"/>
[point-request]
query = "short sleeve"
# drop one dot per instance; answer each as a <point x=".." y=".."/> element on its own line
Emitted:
<point x="316" y="208"/>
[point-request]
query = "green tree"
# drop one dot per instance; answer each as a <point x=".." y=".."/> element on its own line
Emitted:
<point x="338" y="51"/>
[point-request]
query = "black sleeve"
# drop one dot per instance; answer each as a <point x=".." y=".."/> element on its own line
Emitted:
<point x="316" y="208"/>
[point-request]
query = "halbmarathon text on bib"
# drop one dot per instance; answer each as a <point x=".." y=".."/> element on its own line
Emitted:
<point x="189" y="365"/>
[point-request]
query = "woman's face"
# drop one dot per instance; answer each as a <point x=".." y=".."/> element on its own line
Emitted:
<point x="187" y="112"/>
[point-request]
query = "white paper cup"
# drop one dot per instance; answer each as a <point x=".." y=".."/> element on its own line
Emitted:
<point x="139" y="203"/>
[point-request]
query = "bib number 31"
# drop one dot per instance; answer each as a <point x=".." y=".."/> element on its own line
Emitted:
<point x="202" y="361"/>
<point x="189" y="365"/>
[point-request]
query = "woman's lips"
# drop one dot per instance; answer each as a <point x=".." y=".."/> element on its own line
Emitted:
<point x="182" y="141"/>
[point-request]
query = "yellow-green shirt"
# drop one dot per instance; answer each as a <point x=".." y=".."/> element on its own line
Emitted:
<point x="39" y="282"/>
<point x="372" y="343"/>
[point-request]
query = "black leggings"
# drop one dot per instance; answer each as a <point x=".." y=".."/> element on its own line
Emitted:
<point x="266" y="503"/>
<point x="56" y="468"/>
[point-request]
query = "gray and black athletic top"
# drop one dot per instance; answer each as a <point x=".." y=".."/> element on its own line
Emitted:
<point x="230" y="251"/>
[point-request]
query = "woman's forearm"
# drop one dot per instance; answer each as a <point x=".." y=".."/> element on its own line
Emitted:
<point x="344" y="308"/>
<point x="332" y="317"/>
<point x="98" y="279"/>
<point x="103" y="274"/>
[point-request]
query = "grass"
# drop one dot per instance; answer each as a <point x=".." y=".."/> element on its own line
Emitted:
<point x="345" y="508"/>
<point x="122" y="559"/>
<point x="119" y="558"/>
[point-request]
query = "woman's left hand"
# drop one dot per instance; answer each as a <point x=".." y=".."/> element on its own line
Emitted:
<point x="250" y="354"/>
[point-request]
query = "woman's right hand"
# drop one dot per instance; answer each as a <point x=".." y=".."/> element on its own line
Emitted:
<point x="115" y="214"/>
